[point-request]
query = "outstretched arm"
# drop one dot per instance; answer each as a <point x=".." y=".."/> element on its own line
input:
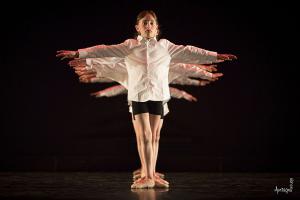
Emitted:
<point x="179" y="94"/>
<point x="194" y="70"/>
<point x="117" y="50"/>
<point x="101" y="67"/>
<point x="192" y="54"/>
<point x="100" y="51"/>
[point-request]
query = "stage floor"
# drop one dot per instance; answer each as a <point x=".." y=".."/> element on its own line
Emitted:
<point x="183" y="186"/>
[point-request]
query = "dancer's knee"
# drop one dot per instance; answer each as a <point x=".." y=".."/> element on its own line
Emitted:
<point x="146" y="136"/>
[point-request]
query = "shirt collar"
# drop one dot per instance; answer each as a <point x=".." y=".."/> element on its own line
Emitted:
<point x="141" y="38"/>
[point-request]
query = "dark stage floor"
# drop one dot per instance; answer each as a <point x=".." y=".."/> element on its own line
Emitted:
<point x="183" y="186"/>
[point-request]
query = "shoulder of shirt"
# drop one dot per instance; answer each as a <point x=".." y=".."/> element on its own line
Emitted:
<point x="165" y="42"/>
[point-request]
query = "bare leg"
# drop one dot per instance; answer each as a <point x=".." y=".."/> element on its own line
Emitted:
<point x="156" y="125"/>
<point x="143" y="127"/>
<point x="155" y="143"/>
<point x="142" y="159"/>
<point x="155" y="122"/>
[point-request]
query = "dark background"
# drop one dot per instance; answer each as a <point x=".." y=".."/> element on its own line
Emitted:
<point x="246" y="121"/>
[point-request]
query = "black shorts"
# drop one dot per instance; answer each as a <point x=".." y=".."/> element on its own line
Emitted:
<point x="151" y="107"/>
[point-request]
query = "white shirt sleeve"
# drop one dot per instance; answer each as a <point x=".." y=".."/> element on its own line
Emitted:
<point x="190" y="54"/>
<point x="115" y="71"/>
<point x="117" y="50"/>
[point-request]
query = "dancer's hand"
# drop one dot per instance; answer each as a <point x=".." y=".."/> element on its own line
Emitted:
<point x="82" y="71"/>
<point x="189" y="97"/>
<point x="203" y="82"/>
<point x="87" y="78"/>
<point x="77" y="63"/>
<point x="216" y="76"/>
<point x="226" y="57"/>
<point x="97" y="94"/>
<point x="67" y="54"/>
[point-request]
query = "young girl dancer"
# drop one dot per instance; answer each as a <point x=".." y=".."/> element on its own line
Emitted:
<point x="147" y="63"/>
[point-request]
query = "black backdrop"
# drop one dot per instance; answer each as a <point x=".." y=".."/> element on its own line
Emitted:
<point x="244" y="121"/>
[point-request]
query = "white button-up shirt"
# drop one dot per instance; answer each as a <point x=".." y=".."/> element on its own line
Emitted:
<point x="147" y="63"/>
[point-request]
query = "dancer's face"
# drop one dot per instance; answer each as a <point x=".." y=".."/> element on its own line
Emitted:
<point x="147" y="27"/>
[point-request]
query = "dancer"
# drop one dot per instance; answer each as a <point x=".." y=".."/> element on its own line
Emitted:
<point x="147" y="63"/>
